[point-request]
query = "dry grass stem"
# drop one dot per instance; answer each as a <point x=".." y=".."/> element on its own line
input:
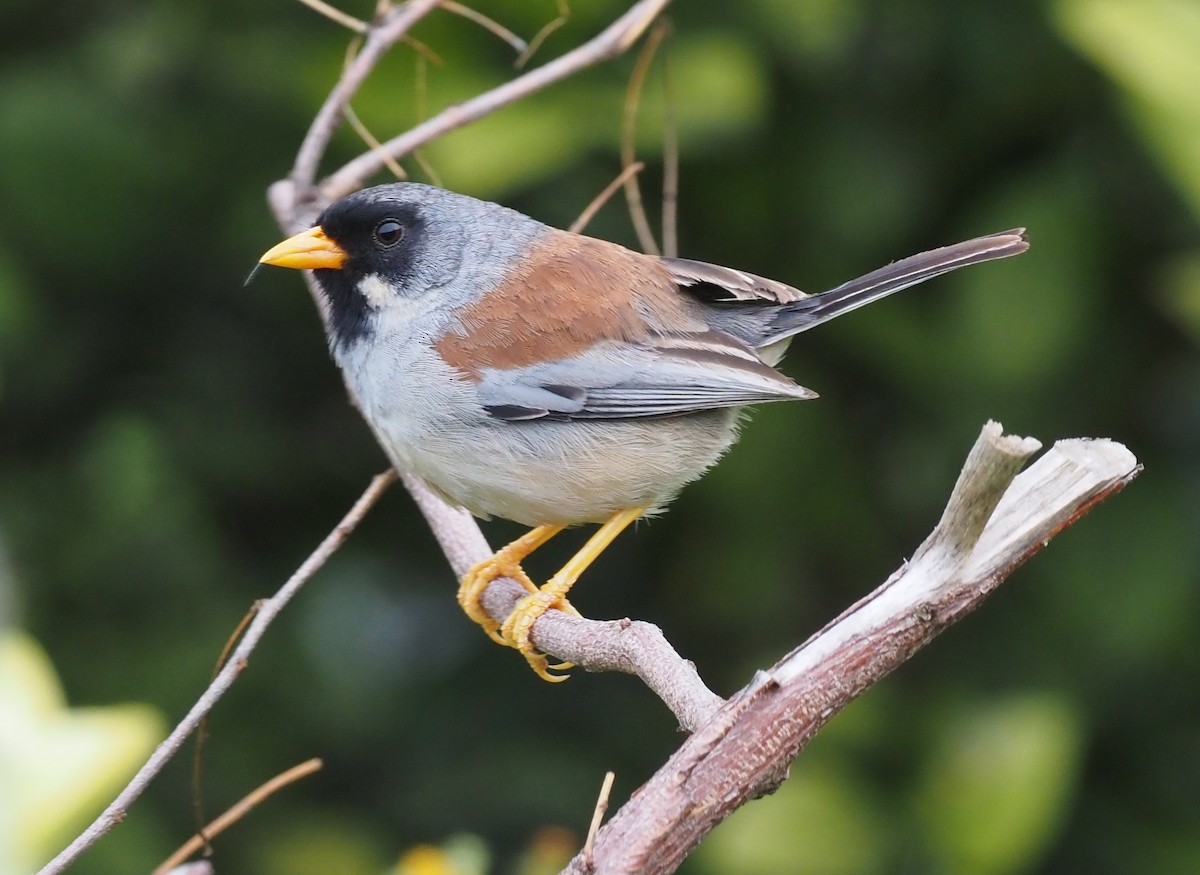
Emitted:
<point x="598" y="816"/>
<point x="670" y="195"/>
<point x="633" y="100"/>
<point x="564" y="15"/>
<point x="236" y="812"/>
<point x="367" y="137"/>
<point x="202" y="729"/>
<point x="491" y="25"/>
<point x="589" y="212"/>
<point x="335" y="14"/>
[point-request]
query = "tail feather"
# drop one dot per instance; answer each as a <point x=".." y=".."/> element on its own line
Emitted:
<point x="801" y="315"/>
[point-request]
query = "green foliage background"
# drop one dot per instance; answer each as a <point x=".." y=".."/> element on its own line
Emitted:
<point x="172" y="444"/>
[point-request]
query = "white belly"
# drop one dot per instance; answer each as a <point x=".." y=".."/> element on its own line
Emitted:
<point x="534" y="472"/>
<point x="573" y="472"/>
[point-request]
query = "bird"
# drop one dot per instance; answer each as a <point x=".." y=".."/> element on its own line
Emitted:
<point x="550" y="378"/>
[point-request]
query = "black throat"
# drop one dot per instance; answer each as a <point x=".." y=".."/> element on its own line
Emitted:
<point x="349" y="318"/>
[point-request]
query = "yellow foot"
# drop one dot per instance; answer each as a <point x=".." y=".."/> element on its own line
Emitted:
<point x="478" y="579"/>
<point x="519" y="624"/>
<point x="505" y="563"/>
<point x="516" y="629"/>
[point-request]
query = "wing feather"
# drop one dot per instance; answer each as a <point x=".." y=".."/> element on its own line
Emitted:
<point x="673" y="376"/>
<point x="714" y="283"/>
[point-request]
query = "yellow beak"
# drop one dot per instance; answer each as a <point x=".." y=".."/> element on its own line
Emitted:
<point x="309" y="249"/>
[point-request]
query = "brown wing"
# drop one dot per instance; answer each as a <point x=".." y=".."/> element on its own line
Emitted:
<point x="569" y="294"/>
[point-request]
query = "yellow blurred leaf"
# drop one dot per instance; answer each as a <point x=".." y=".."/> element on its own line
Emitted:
<point x="548" y="852"/>
<point x="460" y="855"/>
<point x="58" y="765"/>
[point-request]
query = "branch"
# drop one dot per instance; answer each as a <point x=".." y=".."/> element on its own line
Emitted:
<point x="295" y="201"/>
<point x="267" y="611"/>
<point x="612" y="41"/>
<point x="384" y="33"/>
<point x="234" y="813"/>
<point x="991" y="525"/>
<point x="629" y="646"/>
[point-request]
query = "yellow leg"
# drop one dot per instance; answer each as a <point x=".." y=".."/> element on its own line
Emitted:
<point x="520" y="622"/>
<point x="506" y="562"/>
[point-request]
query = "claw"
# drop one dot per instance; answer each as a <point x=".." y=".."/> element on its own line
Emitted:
<point x="478" y="579"/>
<point x="515" y="630"/>
<point x="519" y="624"/>
<point x="505" y="563"/>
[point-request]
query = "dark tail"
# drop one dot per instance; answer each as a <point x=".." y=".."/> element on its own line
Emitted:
<point x="801" y="315"/>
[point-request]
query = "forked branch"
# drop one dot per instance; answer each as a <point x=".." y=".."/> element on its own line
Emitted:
<point x="991" y="525"/>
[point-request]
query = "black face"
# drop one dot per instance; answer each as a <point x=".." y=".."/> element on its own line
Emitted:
<point x="381" y="238"/>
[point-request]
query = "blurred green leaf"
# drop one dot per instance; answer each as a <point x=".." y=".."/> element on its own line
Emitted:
<point x="822" y="821"/>
<point x="304" y="845"/>
<point x="16" y="309"/>
<point x="1149" y="48"/>
<point x="816" y="28"/>
<point x="1179" y="293"/>
<point x="997" y="784"/>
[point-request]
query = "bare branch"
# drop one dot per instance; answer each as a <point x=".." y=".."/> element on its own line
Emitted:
<point x="628" y="646"/>
<point x="268" y="610"/>
<point x="992" y="524"/>
<point x="380" y="37"/>
<point x="614" y="40"/>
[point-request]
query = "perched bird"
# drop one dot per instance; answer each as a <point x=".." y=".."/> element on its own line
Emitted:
<point x="551" y="378"/>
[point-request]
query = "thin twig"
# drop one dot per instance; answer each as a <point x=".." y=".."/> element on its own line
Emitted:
<point x="598" y="817"/>
<point x="564" y="15"/>
<point x="367" y="137"/>
<point x="115" y="812"/>
<point x="352" y="117"/>
<point x="335" y="14"/>
<point x="421" y="87"/>
<point x="427" y="167"/>
<point x="423" y="50"/>
<point x="202" y="729"/>
<point x="491" y="25"/>
<point x="236" y="812"/>
<point x="380" y="36"/>
<point x="589" y="212"/>
<point x="612" y="41"/>
<point x="633" y="99"/>
<point x="670" y="195"/>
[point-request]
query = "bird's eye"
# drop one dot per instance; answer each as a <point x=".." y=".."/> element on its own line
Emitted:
<point x="389" y="232"/>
